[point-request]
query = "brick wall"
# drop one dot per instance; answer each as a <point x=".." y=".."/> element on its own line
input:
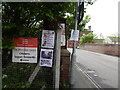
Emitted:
<point x="65" y="67"/>
<point x="111" y="49"/>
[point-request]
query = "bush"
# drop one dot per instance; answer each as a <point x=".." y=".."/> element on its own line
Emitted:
<point x="89" y="38"/>
<point x="16" y="75"/>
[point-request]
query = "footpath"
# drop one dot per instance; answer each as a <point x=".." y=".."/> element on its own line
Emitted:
<point x="82" y="80"/>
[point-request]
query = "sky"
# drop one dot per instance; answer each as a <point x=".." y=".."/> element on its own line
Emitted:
<point x="104" y="17"/>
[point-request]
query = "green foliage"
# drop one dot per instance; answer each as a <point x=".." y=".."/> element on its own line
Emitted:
<point x="66" y="86"/>
<point x="26" y="19"/>
<point x="83" y="23"/>
<point x="70" y="25"/>
<point x="90" y="2"/>
<point x="7" y="43"/>
<point x="20" y="19"/>
<point x="89" y="38"/>
<point x="15" y="75"/>
<point x="81" y="26"/>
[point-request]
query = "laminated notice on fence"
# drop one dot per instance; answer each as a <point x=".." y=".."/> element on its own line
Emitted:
<point x="25" y="50"/>
<point x="74" y="35"/>
<point x="48" y="38"/>
<point x="46" y="57"/>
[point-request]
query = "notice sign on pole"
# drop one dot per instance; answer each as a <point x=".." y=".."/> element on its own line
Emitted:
<point x="62" y="34"/>
<point x="46" y="56"/>
<point x="25" y="50"/>
<point x="74" y="35"/>
<point x="48" y="38"/>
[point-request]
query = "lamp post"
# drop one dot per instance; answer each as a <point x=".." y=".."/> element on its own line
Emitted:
<point x="73" y="57"/>
<point x="79" y="14"/>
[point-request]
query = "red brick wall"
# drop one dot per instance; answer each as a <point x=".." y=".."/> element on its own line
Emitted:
<point x="65" y="66"/>
<point x="111" y="49"/>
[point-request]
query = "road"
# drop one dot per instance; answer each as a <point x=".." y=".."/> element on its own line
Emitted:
<point x="102" y="68"/>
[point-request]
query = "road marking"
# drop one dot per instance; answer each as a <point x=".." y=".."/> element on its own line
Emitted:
<point x="90" y="78"/>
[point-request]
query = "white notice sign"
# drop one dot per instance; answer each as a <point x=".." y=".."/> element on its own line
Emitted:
<point x="26" y="55"/>
<point x="74" y="35"/>
<point x="48" y="38"/>
<point x="62" y="34"/>
<point x="46" y="56"/>
<point x="25" y="50"/>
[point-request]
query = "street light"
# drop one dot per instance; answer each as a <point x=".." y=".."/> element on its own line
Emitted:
<point x="78" y="18"/>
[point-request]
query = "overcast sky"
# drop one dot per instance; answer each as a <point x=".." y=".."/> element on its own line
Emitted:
<point x="104" y="17"/>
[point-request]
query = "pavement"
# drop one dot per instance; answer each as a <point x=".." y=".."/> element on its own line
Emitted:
<point x="82" y="79"/>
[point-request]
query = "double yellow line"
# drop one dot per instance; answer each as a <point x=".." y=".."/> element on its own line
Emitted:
<point x="90" y="78"/>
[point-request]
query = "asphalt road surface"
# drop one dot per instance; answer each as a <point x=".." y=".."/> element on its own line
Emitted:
<point x="103" y="69"/>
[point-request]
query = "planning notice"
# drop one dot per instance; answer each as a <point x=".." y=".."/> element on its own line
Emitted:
<point x="48" y="38"/>
<point x="25" y="50"/>
<point x="46" y="56"/>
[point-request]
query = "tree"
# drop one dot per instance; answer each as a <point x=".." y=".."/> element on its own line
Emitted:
<point x="20" y="19"/>
<point x="89" y="38"/>
<point x="23" y="20"/>
<point x="83" y="23"/>
<point x="26" y="19"/>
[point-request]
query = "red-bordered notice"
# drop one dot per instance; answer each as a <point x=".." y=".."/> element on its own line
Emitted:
<point x="26" y="42"/>
<point x="25" y="50"/>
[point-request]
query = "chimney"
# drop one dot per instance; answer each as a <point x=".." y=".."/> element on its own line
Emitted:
<point x="89" y="28"/>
